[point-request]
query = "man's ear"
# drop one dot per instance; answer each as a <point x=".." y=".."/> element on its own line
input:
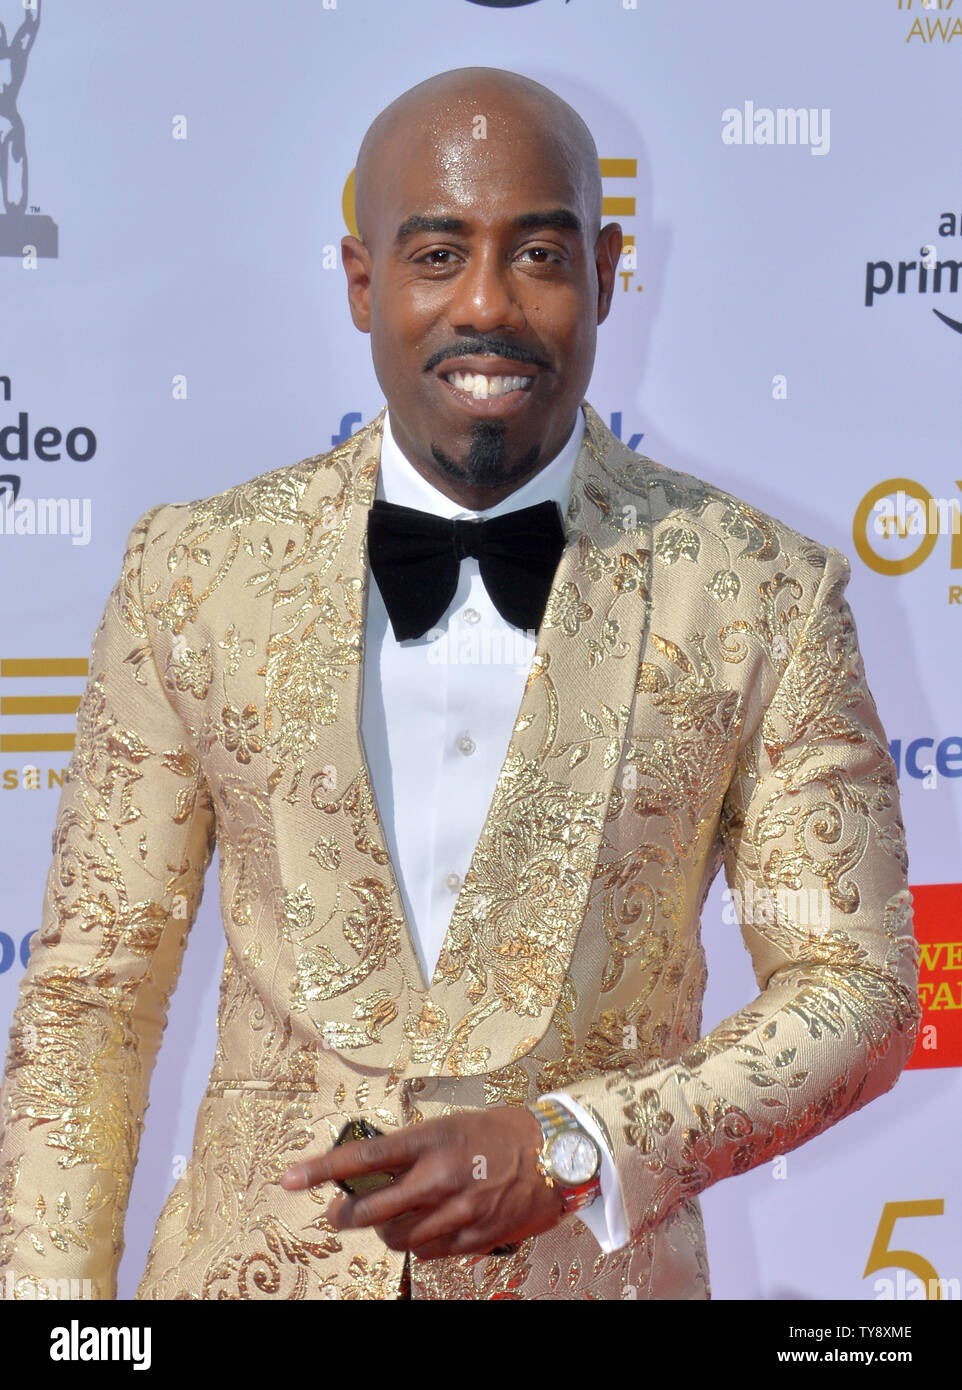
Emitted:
<point x="356" y="259"/>
<point x="607" y="254"/>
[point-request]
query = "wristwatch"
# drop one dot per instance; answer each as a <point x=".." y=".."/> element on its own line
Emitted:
<point x="569" y="1160"/>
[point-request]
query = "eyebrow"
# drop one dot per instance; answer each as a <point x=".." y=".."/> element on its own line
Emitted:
<point x="562" y="218"/>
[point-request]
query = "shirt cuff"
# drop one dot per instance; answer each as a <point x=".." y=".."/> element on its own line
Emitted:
<point x="605" y="1217"/>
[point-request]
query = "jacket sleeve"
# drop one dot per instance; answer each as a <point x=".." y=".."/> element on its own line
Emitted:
<point x="814" y="854"/>
<point x="132" y="841"/>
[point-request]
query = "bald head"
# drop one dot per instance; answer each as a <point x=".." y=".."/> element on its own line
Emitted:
<point x="481" y="272"/>
<point x="470" y="112"/>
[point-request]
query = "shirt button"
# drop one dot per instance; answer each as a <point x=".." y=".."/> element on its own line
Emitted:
<point x="471" y="615"/>
<point x="466" y="744"/>
<point x="453" y="882"/>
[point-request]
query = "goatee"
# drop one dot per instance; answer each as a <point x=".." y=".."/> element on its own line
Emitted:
<point x="484" y="465"/>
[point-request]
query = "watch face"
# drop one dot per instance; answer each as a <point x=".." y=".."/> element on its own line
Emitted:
<point x="574" y="1158"/>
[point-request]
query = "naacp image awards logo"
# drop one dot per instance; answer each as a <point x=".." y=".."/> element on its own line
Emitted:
<point x="24" y="231"/>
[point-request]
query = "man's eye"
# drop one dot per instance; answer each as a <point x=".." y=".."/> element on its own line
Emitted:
<point x="542" y="255"/>
<point x="439" y="257"/>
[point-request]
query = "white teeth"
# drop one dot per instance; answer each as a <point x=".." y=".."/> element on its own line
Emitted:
<point x="480" y="386"/>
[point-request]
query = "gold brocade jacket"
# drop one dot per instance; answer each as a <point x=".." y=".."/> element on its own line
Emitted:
<point x="697" y="698"/>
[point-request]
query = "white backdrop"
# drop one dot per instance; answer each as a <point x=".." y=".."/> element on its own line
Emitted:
<point x="186" y="320"/>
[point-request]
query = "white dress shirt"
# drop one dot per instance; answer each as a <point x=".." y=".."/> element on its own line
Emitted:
<point x="437" y="716"/>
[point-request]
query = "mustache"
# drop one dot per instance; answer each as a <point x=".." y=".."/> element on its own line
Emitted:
<point x="487" y="347"/>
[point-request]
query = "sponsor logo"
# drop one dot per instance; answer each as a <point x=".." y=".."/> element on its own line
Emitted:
<point x="929" y="273"/>
<point x="898" y="524"/>
<point x="938" y="930"/>
<point x="351" y="420"/>
<point x="931" y="21"/>
<point x="926" y="760"/>
<point x="24" y="231"/>
<point x="24" y="442"/>
<point x="10" y="953"/>
<point x="46" y="443"/>
<point x="26" y="704"/>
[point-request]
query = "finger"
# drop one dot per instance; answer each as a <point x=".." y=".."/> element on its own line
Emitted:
<point x="422" y="1186"/>
<point x="435" y="1226"/>
<point x="334" y="1207"/>
<point x="388" y="1153"/>
<point x="396" y="1234"/>
<point x="464" y="1242"/>
<point x="467" y="1241"/>
<point x="437" y="1250"/>
<point x="471" y="1223"/>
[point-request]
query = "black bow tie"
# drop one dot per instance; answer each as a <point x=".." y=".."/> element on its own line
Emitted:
<point x="416" y="557"/>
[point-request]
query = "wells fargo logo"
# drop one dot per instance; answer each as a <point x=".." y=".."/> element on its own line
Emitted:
<point x="897" y="526"/>
<point x="938" y="929"/>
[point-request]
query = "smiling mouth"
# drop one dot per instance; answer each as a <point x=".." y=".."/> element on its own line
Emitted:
<point x="481" y="387"/>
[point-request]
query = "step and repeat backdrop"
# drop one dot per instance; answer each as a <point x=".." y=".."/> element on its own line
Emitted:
<point x="175" y="182"/>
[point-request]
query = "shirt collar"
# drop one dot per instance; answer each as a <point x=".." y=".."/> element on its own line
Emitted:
<point x="402" y="484"/>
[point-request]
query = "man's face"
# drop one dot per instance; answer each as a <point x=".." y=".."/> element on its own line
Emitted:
<point x="482" y="289"/>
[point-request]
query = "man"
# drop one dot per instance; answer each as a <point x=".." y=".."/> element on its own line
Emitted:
<point x="453" y="889"/>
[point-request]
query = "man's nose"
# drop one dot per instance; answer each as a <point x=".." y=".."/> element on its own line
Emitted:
<point x="485" y="297"/>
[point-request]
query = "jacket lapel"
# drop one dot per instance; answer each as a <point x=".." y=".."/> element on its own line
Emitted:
<point x="521" y="907"/>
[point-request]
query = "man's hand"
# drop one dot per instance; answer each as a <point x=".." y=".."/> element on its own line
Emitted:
<point x="465" y="1184"/>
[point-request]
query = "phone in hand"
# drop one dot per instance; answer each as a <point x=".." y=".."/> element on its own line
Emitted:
<point x="359" y="1184"/>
